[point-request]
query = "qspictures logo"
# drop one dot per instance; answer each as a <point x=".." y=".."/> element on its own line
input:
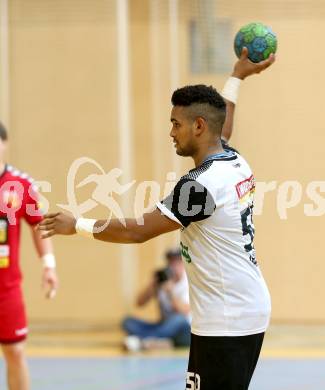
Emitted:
<point x="106" y="189"/>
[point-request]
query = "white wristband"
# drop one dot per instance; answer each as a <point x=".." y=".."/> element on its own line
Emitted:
<point x="85" y="227"/>
<point x="231" y="89"/>
<point x="48" y="260"/>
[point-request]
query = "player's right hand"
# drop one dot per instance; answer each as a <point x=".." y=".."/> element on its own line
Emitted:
<point x="57" y="223"/>
<point x="244" y="67"/>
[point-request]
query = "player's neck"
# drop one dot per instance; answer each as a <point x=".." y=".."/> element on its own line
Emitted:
<point x="205" y="152"/>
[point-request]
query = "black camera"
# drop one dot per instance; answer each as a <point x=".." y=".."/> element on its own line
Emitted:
<point x="163" y="275"/>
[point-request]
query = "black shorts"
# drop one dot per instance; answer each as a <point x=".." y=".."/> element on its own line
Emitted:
<point x="222" y="363"/>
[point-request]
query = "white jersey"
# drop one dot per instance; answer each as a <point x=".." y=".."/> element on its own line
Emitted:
<point x="214" y="205"/>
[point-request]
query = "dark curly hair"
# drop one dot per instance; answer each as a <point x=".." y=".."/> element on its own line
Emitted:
<point x="3" y="133"/>
<point x="200" y="94"/>
<point x="203" y="101"/>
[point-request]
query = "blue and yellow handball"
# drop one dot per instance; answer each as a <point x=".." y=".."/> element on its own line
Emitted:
<point x="259" y="39"/>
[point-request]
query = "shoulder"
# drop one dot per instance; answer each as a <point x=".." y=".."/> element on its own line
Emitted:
<point x="213" y="170"/>
<point x="194" y="174"/>
<point x="21" y="177"/>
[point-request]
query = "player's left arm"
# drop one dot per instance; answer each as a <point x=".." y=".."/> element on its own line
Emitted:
<point x="228" y="126"/>
<point x="152" y="225"/>
<point x="44" y="249"/>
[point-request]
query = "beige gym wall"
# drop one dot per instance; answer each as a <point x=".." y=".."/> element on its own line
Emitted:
<point x="63" y="105"/>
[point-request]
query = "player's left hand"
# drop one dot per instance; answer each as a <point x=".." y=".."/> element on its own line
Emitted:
<point x="244" y="67"/>
<point x="57" y="223"/>
<point x="49" y="282"/>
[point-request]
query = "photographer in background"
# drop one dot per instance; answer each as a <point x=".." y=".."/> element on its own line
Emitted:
<point x="170" y="287"/>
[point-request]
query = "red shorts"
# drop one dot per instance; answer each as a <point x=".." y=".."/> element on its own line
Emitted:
<point x="13" y="323"/>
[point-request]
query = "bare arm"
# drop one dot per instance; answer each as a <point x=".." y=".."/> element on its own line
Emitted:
<point x="243" y="68"/>
<point x="229" y="122"/>
<point x="42" y="246"/>
<point x="154" y="224"/>
<point x="49" y="277"/>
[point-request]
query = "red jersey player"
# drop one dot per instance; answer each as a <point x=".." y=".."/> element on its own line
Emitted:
<point x="18" y="200"/>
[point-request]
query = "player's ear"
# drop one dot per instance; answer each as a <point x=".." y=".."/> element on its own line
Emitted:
<point x="200" y="125"/>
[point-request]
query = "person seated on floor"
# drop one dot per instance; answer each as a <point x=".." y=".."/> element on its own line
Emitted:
<point x="169" y="286"/>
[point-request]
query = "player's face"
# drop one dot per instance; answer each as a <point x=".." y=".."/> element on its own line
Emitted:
<point x="182" y="132"/>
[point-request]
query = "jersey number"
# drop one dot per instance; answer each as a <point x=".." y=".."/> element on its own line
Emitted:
<point x="248" y="230"/>
<point x="193" y="381"/>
